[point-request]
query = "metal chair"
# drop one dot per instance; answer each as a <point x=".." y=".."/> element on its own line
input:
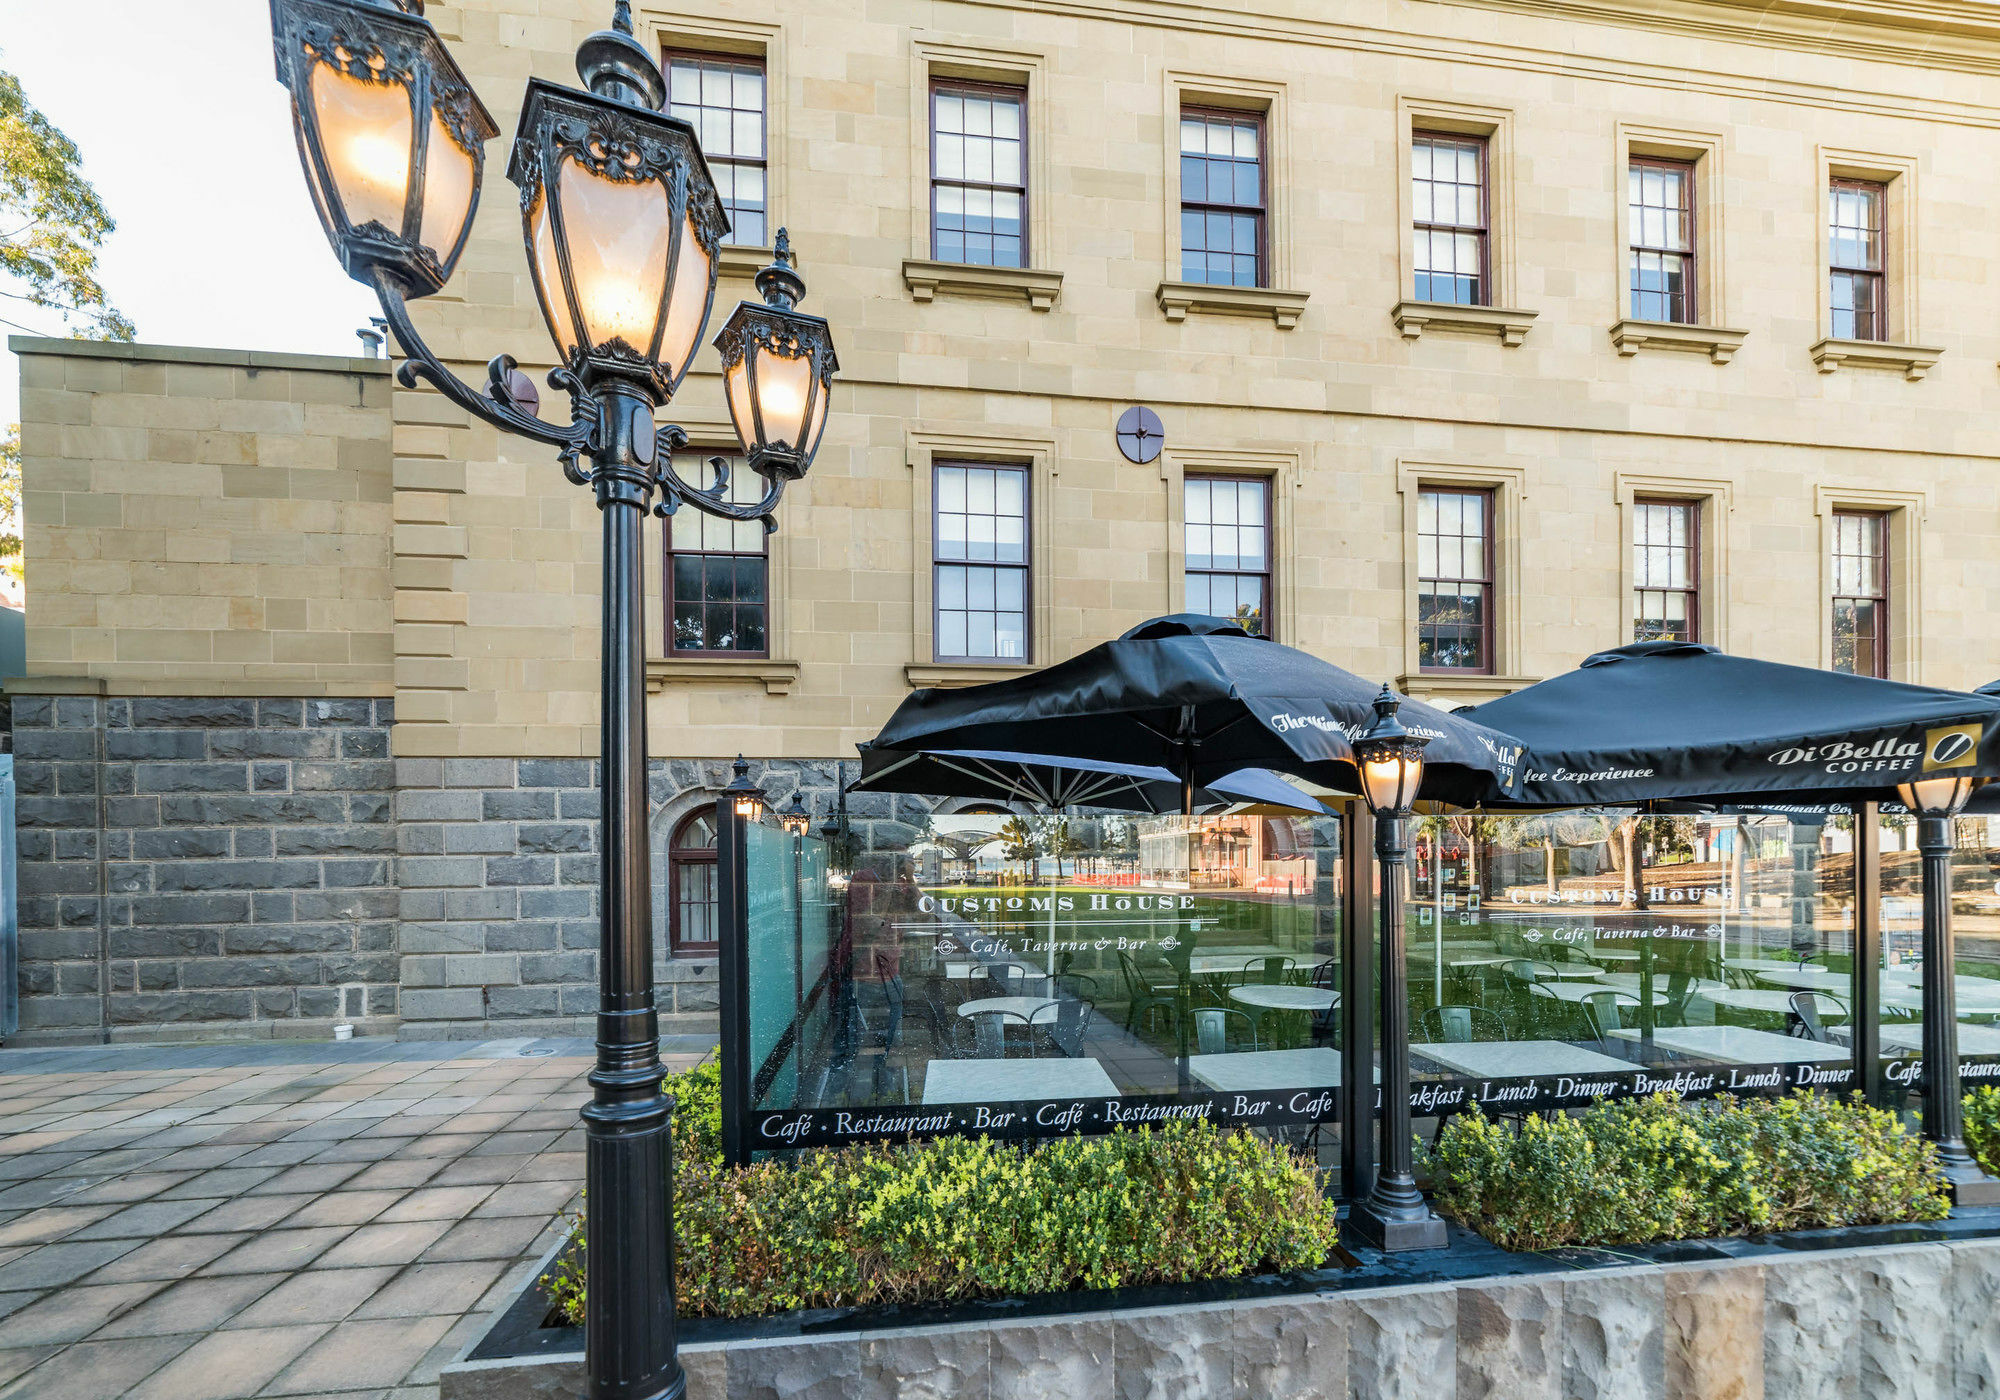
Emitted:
<point x="1603" y="1013"/>
<point x="1064" y="1035"/>
<point x="1458" y="1025"/>
<point x="1266" y="972"/>
<point x="1080" y="985"/>
<point x="1805" y="1022"/>
<point x="1326" y="1024"/>
<point x="1141" y="996"/>
<point x="1520" y="977"/>
<point x="988" y="1030"/>
<point x="1211" y="1030"/>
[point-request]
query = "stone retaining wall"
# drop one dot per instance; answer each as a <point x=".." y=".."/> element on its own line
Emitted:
<point x="1910" y="1322"/>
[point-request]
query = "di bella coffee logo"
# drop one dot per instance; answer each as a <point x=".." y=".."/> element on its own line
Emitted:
<point x="1956" y="746"/>
<point x="1949" y="746"/>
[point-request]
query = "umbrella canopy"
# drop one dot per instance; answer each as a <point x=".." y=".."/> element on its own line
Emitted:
<point x="1683" y="720"/>
<point x="1050" y="780"/>
<point x="1201" y="698"/>
<point x="1990" y="688"/>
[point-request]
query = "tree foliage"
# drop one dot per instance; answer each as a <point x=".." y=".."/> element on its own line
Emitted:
<point x="10" y="503"/>
<point x="51" y="221"/>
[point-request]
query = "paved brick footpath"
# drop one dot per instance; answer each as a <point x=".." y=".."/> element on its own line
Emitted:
<point x="223" y="1222"/>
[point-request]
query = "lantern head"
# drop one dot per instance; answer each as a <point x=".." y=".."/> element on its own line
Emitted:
<point x="622" y="224"/>
<point x="797" y="817"/>
<point x="746" y="799"/>
<point x="777" y="371"/>
<point x="1942" y="796"/>
<point x="391" y="135"/>
<point x="1391" y="760"/>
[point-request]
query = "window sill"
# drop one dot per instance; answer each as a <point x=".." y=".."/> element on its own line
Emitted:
<point x="1178" y="298"/>
<point x="1913" y="360"/>
<point x="1040" y="289"/>
<point x="739" y="260"/>
<point x="778" y="676"/>
<point x="950" y="675"/>
<point x="1630" y="337"/>
<point x="1469" y="688"/>
<point x="1413" y="318"/>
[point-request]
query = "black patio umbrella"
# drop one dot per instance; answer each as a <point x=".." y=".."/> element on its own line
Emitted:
<point x="1049" y="780"/>
<point x="1990" y="688"/>
<point x="1664" y="720"/>
<point x="1201" y="698"/>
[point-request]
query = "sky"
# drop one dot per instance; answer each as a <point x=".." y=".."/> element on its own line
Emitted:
<point x="187" y="136"/>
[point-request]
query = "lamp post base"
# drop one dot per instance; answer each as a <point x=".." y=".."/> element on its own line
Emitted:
<point x="1969" y="1185"/>
<point x="1399" y="1233"/>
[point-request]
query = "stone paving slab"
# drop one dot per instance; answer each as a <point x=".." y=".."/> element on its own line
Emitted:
<point x="307" y="1221"/>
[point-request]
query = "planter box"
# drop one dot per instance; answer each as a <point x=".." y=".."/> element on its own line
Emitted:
<point x="1910" y="1311"/>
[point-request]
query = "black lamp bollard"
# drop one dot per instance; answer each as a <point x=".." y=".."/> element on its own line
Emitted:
<point x="392" y="139"/>
<point x="1395" y="1216"/>
<point x="1935" y="802"/>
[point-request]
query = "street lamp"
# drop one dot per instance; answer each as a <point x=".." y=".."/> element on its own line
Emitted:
<point x="746" y="799"/>
<point x="622" y="227"/>
<point x="797" y="818"/>
<point x="1934" y="802"/>
<point x="1391" y="759"/>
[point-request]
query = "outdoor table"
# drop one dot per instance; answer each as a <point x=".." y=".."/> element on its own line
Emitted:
<point x="1000" y="1081"/>
<point x="1314" y="1068"/>
<point x="1812" y="979"/>
<point x="1284" y="998"/>
<point x="1575" y="992"/>
<point x="966" y="970"/>
<point x="1210" y="963"/>
<point x="1969" y="1001"/>
<point x="1629" y="982"/>
<point x="1966" y="983"/>
<point x="1612" y="954"/>
<point x="1766" y="999"/>
<point x="1909" y="1035"/>
<point x="1763" y="965"/>
<point x="1739" y="1045"/>
<point x="1558" y="971"/>
<point x="1510" y="1059"/>
<point x="1039" y="1011"/>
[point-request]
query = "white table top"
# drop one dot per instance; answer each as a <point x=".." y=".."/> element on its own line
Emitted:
<point x="1559" y="971"/>
<point x="1284" y="998"/>
<point x="1771" y="965"/>
<point x="961" y="971"/>
<point x="980" y="1081"/>
<point x="1576" y="991"/>
<point x="1040" y="1010"/>
<point x="1972" y="1040"/>
<point x="1208" y="964"/>
<point x="1812" y="979"/>
<point x="1507" y="1059"/>
<point x="1612" y="954"/>
<point x="1629" y="982"/>
<point x="1314" y="1068"/>
<point x="1740" y="1045"/>
<point x="1766" y="999"/>
<point x="1968" y="1001"/>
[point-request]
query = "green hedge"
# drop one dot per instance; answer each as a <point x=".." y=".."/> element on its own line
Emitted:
<point x="1982" y="1127"/>
<point x="962" y="1218"/>
<point x="1659" y="1169"/>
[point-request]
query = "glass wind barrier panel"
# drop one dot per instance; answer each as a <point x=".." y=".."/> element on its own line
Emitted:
<point x="790" y="930"/>
<point x="1975" y="951"/>
<point x="1603" y="953"/>
<point x="1031" y="975"/>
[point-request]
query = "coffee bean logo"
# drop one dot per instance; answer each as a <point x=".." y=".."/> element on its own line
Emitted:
<point x="1951" y="748"/>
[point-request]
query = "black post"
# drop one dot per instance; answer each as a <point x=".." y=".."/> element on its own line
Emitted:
<point x="1635" y="864"/>
<point x="732" y="975"/>
<point x="629" y="1340"/>
<point x="1865" y="1022"/>
<point x="1943" y="1115"/>
<point x="1395" y="1217"/>
<point x="1357" y="1037"/>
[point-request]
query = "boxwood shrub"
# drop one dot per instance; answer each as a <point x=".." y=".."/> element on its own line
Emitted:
<point x="1982" y="1127"/>
<point x="1660" y="1169"/>
<point x="961" y="1218"/>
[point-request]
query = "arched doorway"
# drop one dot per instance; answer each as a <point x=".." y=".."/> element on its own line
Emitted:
<point x="691" y="886"/>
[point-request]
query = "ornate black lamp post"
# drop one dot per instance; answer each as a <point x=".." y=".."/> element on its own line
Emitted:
<point x="1394" y="1216"/>
<point x="1934" y="802"/>
<point x="622" y="224"/>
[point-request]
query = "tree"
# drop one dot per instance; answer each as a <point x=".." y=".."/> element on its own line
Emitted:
<point x="10" y="503"/>
<point x="1018" y="841"/>
<point x="51" y="221"/>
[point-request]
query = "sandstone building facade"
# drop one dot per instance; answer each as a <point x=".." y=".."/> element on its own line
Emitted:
<point x="1482" y="336"/>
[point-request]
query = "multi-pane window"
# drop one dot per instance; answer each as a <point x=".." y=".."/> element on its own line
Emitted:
<point x="1660" y="209"/>
<point x="1855" y="239"/>
<point x="692" y="902"/>
<point x="1455" y="580"/>
<point x="981" y="552"/>
<point x="722" y="96"/>
<point x="979" y="179"/>
<point x="1449" y="204"/>
<point x="1861" y="593"/>
<point x="1666" y="571"/>
<point x="1222" y="198"/>
<point x="718" y="597"/>
<point x="1229" y="549"/>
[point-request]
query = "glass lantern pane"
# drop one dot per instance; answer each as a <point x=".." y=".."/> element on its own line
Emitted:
<point x="364" y="132"/>
<point x="619" y="237"/>
<point x="449" y="180"/>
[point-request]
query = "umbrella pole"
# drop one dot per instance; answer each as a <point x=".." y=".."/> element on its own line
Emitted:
<point x="1055" y="884"/>
<point x="1639" y="903"/>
